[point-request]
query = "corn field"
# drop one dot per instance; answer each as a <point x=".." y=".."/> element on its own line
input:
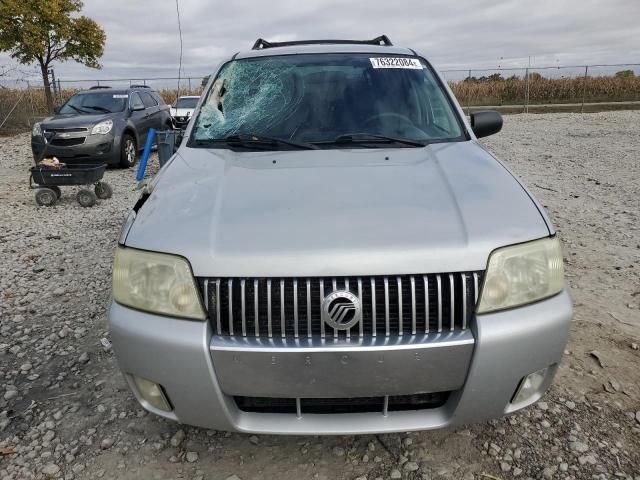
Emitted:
<point x="512" y="91"/>
<point x="27" y="105"/>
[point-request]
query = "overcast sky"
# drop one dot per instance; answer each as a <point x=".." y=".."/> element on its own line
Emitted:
<point x="142" y="35"/>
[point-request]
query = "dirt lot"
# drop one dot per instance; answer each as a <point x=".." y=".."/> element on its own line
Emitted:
<point x="65" y="411"/>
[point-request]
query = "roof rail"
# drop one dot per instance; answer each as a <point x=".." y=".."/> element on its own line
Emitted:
<point x="139" y="86"/>
<point x="262" y="43"/>
<point x="98" y="87"/>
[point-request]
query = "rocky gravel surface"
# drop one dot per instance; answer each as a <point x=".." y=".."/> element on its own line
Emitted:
<point x="65" y="411"/>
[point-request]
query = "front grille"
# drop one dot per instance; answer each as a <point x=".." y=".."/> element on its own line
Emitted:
<point x="300" y="406"/>
<point x="391" y="306"/>
<point x="67" y="130"/>
<point x="67" y="142"/>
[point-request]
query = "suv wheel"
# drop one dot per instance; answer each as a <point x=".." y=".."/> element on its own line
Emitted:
<point x="128" y="151"/>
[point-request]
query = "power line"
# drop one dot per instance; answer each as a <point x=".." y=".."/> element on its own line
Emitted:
<point x="180" y="62"/>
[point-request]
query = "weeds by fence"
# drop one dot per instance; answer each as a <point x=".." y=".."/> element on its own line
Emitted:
<point x="513" y="90"/>
<point x="21" y="104"/>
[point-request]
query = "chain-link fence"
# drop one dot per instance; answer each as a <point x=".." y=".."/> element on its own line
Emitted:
<point x="573" y="88"/>
<point x="568" y="87"/>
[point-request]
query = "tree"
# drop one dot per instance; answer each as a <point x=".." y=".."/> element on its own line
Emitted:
<point x="625" y="74"/>
<point x="45" y="31"/>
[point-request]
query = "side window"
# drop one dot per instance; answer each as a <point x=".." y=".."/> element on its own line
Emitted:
<point x="148" y="100"/>
<point x="135" y="100"/>
<point x="158" y="98"/>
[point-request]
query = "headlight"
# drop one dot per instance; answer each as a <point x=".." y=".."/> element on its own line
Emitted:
<point x="522" y="274"/>
<point x="155" y="282"/>
<point x="37" y="131"/>
<point x="102" y="128"/>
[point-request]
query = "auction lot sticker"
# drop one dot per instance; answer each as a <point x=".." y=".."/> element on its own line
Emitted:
<point x="396" y="62"/>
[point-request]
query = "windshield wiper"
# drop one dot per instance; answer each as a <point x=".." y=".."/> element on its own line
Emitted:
<point x="251" y="140"/>
<point x="351" y="138"/>
<point x="101" y="109"/>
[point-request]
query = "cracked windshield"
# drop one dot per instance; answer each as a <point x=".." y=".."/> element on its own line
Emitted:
<point x="321" y="99"/>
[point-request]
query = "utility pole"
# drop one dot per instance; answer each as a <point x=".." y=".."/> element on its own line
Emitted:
<point x="526" y="93"/>
<point x="584" y="87"/>
<point x="53" y="82"/>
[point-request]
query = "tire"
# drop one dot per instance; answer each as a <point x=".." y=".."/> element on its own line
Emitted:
<point x="86" y="198"/>
<point x="103" y="190"/>
<point x="45" y="197"/>
<point x="128" y="151"/>
<point x="57" y="190"/>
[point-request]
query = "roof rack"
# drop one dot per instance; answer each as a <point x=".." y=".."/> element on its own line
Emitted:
<point x="139" y="86"/>
<point x="98" y="87"/>
<point x="381" y="40"/>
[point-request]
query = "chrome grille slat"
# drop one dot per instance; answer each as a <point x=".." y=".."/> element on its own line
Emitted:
<point x="400" y="329"/>
<point x="290" y="308"/>
<point x="270" y="326"/>
<point x="475" y="287"/>
<point x="230" y="286"/>
<point x="426" y="303"/>
<point x="439" y="297"/>
<point x="452" y="315"/>
<point x="413" y="306"/>
<point x="282" y="325"/>
<point x="218" y="319"/>
<point x="321" y="299"/>
<point x="308" y="308"/>
<point x="360" y="296"/>
<point x="464" y="301"/>
<point x="243" y="308"/>
<point x="206" y="295"/>
<point x="386" y="305"/>
<point x="295" y="308"/>
<point x="373" y="306"/>
<point x="256" y="315"/>
<point x="334" y="284"/>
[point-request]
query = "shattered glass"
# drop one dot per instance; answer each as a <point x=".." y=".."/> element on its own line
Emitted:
<point x="249" y="97"/>
<point x="318" y="97"/>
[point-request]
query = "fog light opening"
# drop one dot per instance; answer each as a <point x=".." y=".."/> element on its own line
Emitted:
<point x="530" y="386"/>
<point x="152" y="393"/>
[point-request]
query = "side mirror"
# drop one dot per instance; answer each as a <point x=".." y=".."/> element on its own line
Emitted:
<point x="486" y="122"/>
<point x="137" y="108"/>
<point x="56" y="109"/>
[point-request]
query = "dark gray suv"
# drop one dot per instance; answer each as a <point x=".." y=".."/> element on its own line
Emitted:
<point x="102" y="124"/>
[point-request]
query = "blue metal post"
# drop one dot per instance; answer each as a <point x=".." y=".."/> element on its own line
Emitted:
<point x="145" y="154"/>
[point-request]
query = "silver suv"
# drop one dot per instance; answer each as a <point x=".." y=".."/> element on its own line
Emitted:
<point x="332" y="251"/>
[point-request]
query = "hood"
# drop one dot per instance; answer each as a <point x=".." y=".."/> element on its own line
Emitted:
<point x="442" y="208"/>
<point x="77" y="120"/>
<point x="181" y="112"/>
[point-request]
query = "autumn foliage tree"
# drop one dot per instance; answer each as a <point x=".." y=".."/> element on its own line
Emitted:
<point x="46" y="31"/>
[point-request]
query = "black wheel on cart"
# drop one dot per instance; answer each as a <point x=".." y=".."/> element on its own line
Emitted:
<point x="86" y="198"/>
<point x="57" y="190"/>
<point x="103" y="190"/>
<point x="128" y="151"/>
<point x="45" y="197"/>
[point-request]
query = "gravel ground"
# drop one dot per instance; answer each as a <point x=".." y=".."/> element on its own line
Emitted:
<point x="65" y="411"/>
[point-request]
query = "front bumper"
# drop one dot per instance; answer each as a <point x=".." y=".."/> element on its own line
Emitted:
<point x="94" y="149"/>
<point x="183" y="357"/>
